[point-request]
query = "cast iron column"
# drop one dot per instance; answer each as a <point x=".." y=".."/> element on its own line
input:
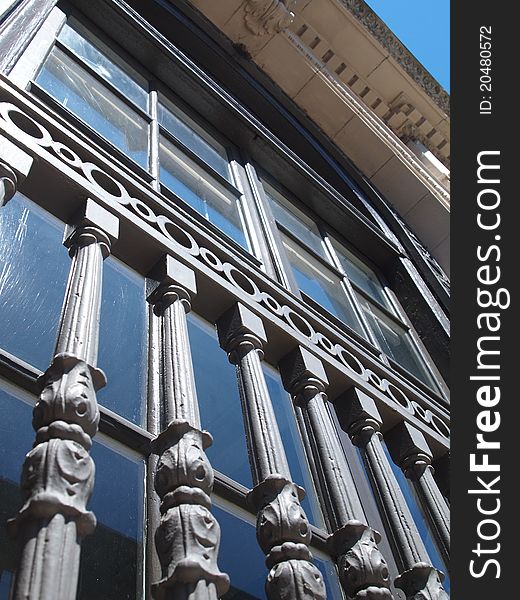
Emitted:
<point x="282" y="527"/>
<point x="8" y="183"/>
<point x="411" y="452"/>
<point x="58" y="473"/>
<point x="188" y="537"/>
<point x="363" y="570"/>
<point x="360" y="418"/>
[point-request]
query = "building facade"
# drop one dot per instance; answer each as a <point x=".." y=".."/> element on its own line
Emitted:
<point x="224" y="303"/>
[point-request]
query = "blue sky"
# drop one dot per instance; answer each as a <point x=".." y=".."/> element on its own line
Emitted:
<point x="424" y="28"/>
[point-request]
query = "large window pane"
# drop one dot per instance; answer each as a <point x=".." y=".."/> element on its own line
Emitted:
<point x="219" y="402"/>
<point x="34" y="267"/>
<point x="111" y="557"/>
<point x="186" y="131"/>
<point x="395" y="342"/>
<point x="241" y="558"/>
<point x="122" y="341"/>
<point x="320" y="284"/>
<point x="293" y="445"/>
<point x="95" y="104"/>
<point x="131" y="86"/>
<point x="182" y="176"/>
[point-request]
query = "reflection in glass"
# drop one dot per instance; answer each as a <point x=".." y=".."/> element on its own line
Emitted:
<point x="322" y="285"/>
<point x="186" y="179"/>
<point x="241" y="558"/>
<point x="106" y="68"/>
<point x="305" y="230"/>
<point x="394" y="341"/>
<point x="187" y="132"/>
<point x="219" y="403"/>
<point x="95" y="104"/>
<point x="122" y="341"/>
<point x="420" y="519"/>
<point x="34" y="266"/>
<point x="361" y="275"/>
<point x="293" y="445"/>
<point x="111" y="556"/>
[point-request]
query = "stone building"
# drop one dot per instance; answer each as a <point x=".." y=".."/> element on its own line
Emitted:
<point x="224" y="234"/>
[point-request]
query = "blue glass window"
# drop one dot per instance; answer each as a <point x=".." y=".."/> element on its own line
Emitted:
<point x="122" y="341"/>
<point x="34" y="267"/>
<point x="95" y="104"/>
<point x="208" y="197"/>
<point x="241" y="558"/>
<point x="112" y="555"/>
<point x="219" y="403"/>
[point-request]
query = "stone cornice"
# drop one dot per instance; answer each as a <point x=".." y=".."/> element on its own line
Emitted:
<point x="375" y="26"/>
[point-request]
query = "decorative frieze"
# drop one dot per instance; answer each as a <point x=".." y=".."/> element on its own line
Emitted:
<point x="411" y="452"/>
<point x="282" y="529"/>
<point x="15" y="165"/>
<point x="17" y="123"/>
<point x="58" y="473"/>
<point x="363" y="570"/>
<point x="188" y="536"/>
<point x="360" y="418"/>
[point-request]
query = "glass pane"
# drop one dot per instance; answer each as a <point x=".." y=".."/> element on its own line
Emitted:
<point x="395" y="342"/>
<point x="241" y="558"/>
<point x="183" y="177"/>
<point x="34" y="267"/>
<point x="305" y="230"/>
<point x="96" y="105"/>
<point x="186" y="131"/>
<point x="122" y="341"/>
<point x="105" y="67"/>
<point x="320" y="284"/>
<point x="111" y="557"/>
<point x="293" y="445"/>
<point x="360" y="274"/>
<point x="420" y="519"/>
<point x="219" y="403"/>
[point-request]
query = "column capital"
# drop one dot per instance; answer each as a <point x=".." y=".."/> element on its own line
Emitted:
<point x="169" y="281"/>
<point x="91" y="224"/>
<point x="358" y="415"/>
<point x="239" y="331"/>
<point x="303" y="375"/>
<point x="15" y="165"/>
<point x="409" y="449"/>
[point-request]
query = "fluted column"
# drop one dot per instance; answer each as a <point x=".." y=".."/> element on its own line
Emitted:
<point x="411" y="452"/>
<point x="282" y="528"/>
<point x="418" y="579"/>
<point x="58" y="473"/>
<point x="188" y="537"/>
<point x="363" y="570"/>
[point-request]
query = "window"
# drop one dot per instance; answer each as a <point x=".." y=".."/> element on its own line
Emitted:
<point x="326" y="272"/>
<point x="119" y="104"/>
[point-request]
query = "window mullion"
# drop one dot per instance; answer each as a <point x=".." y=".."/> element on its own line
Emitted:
<point x="153" y="139"/>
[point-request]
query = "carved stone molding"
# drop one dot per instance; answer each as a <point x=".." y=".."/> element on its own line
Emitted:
<point x="188" y="536"/>
<point x="398" y="51"/>
<point x="29" y="131"/>
<point x="58" y="473"/>
<point x="282" y="528"/>
<point x="411" y="452"/>
<point x="360" y="418"/>
<point x="268" y="16"/>
<point x="363" y="570"/>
